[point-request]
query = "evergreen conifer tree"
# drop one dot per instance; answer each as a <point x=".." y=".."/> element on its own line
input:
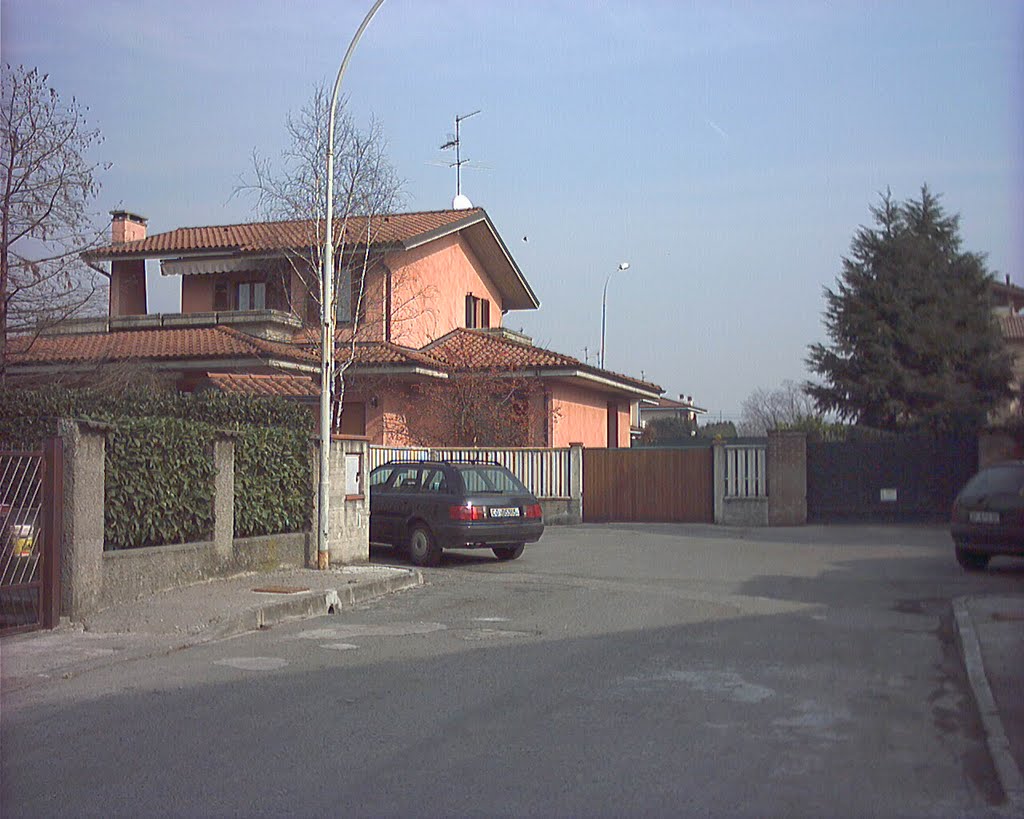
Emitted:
<point x="915" y="345"/>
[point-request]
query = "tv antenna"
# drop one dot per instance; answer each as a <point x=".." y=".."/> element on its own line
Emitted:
<point x="456" y="143"/>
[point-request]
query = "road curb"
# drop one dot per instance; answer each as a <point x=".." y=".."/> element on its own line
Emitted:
<point x="308" y="604"/>
<point x="1008" y="773"/>
<point x="248" y="619"/>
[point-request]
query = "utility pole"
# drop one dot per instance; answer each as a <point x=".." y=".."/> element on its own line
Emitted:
<point x="323" y="554"/>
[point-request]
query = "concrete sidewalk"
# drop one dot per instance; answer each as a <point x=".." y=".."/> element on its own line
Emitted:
<point x="186" y="616"/>
<point x="991" y="634"/>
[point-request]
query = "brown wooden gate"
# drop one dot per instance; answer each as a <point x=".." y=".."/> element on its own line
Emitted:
<point x="31" y="511"/>
<point x="649" y="485"/>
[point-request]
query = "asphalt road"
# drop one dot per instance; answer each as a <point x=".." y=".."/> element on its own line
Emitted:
<point x="613" y="670"/>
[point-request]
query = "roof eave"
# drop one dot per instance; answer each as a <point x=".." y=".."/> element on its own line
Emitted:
<point x="617" y="385"/>
<point x="396" y="369"/>
<point x="428" y="236"/>
<point x="162" y="363"/>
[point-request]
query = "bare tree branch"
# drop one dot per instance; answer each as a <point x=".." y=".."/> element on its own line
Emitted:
<point x="780" y="408"/>
<point x="45" y="218"/>
<point x="294" y="188"/>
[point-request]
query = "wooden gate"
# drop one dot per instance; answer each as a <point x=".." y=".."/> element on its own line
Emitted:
<point x="649" y="485"/>
<point x="31" y="511"/>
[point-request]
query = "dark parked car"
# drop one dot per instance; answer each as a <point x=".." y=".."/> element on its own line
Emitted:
<point x="988" y="515"/>
<point x="428" y="506"/>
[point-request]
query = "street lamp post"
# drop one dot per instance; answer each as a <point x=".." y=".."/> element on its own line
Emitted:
<point x="604" y="307"/>
<point x="323" y="556"/>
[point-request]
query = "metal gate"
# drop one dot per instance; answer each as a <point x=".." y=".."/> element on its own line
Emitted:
<point x="649" y="485"/>
<point x="894" y="480"/>
<point x="31" y="511"/>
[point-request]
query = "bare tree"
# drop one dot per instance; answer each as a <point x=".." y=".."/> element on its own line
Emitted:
<point x="486" y="409"/>
<point x="785" y="406"/>
<point x="49" y="185"/>
<point x="366" y="186"/>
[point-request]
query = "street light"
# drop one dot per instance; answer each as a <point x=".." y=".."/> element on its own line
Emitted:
<point x="604" y="306"/>
<point x="323" y="555"/>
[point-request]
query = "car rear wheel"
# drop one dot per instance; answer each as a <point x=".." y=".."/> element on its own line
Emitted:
<point x="969" y="560"/>
<point x="508" y="552"/>
<point x="423" y="548"/>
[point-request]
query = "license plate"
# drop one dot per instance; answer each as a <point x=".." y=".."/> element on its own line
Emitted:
<point x="504" y="511"/>
<point x="984" y="517"/>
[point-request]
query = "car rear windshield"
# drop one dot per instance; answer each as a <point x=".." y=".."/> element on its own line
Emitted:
<point x="1000" y="480"/>
<point x="491" y="480"/>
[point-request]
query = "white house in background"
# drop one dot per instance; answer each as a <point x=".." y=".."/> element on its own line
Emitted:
<point x="653" y="409"/>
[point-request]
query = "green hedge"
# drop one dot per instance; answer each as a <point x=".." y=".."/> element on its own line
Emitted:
<point x="27" y="416"/>
<point x="273" y="481"/>
<point x="158" y="483"/>
<point x="159" y="466"/>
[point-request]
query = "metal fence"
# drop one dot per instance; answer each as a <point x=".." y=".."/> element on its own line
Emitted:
<point x="745" y="472"/>
<point x="30" y="508"/>
<point x="545" y="472"/>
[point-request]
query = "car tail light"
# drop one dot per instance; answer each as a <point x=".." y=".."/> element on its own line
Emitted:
<point x="467" y="512"/>
<point x="533" y="511"/>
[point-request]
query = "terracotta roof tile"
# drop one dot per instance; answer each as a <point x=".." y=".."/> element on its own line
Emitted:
<point x="1012" y="327"/>
<point x="481" y="350"/>
<point x="257" y="237"/>
<point x="384" y="352"/>
<point x="461" y="349"/>
<point x="124" y="345"/>
<point x="284" y="386"/>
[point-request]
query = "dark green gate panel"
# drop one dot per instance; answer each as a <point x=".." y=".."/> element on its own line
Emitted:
<point x="903" y="479"/>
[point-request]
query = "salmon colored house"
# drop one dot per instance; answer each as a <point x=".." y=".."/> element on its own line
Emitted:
<point x="429" y="310"/>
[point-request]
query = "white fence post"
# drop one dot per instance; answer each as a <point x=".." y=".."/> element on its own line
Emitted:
<point x="744" y="473"/>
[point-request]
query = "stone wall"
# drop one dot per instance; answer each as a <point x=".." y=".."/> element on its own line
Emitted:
<point x="349" y="506"/>
<point x="787" y="478"/>
<point x="93" y="579"/>
<point x="128" y="574"/>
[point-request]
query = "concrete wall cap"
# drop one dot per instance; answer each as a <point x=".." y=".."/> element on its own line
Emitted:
<point x="98" y="427"/>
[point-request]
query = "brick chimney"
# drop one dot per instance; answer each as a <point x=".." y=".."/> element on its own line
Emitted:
<point x="126" y="227"/>
<point x="127" y="276"/>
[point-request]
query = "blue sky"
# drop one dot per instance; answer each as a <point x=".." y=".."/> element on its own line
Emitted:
<point x="727" y="150"/>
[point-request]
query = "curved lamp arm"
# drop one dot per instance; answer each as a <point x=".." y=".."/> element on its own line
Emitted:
<point x="604" y="306"/>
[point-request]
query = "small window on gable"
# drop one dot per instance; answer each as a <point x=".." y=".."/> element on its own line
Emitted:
<point x="252" y="296"/>
<point x="478" y="312"/>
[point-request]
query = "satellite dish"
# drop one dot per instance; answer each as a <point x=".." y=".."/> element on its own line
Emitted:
<point x="461" y="202"/>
